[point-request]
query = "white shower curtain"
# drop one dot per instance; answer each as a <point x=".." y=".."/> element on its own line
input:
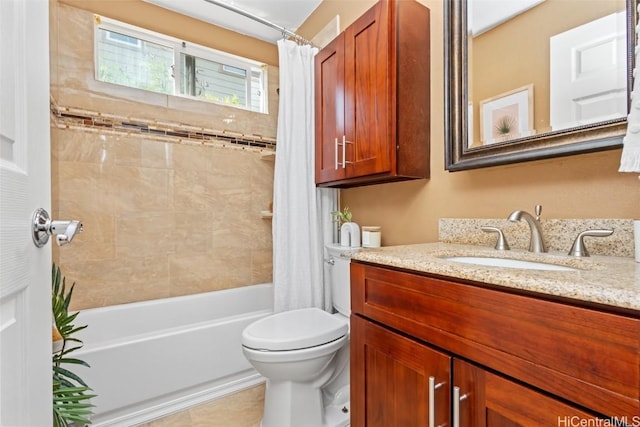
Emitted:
<point x="301" y="212"/>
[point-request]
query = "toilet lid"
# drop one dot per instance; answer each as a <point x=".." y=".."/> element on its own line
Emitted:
<point x="293" y="330"/>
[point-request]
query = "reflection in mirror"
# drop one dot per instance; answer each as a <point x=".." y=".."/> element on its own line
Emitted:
<point x="530" y="79"/>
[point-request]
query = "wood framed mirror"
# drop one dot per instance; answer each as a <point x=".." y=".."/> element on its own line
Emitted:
<point x="524" y="85"/>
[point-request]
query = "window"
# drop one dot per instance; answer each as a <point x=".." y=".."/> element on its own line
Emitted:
<point x="133" y="57"/>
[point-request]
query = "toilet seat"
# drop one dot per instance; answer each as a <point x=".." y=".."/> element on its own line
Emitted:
<point x="294" y="330"/>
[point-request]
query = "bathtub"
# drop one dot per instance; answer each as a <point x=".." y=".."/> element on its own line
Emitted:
<point x="153" y="358"/>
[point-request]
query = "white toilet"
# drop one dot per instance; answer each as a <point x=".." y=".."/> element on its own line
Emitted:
<point x="304" y="355"/>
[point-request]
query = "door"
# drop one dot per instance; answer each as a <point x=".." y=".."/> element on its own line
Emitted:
<point x="369" y="93"/>
<point x="25" y="184"/>
<point x="589" y="73"/>
<point x="396" y="381"/>
<point x="329" y="114"/>
<point x="488" y="400"/>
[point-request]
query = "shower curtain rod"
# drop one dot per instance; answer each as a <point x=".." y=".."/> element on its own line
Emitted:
<point x="263" y="21"/>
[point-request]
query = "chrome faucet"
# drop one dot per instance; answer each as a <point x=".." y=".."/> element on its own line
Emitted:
<point x="536" y="242"/>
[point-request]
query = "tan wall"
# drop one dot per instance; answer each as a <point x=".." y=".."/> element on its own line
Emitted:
<point x="582" y="186"/>
<point x="162" y="216"/>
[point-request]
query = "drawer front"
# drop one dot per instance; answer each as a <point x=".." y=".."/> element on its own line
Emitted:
<point x="587" y="356"/>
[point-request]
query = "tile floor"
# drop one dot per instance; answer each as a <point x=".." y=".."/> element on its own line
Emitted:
<point x="242" y="409"/>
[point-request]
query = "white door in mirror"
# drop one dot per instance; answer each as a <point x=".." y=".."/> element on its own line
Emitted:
<point x="588" y="73"/>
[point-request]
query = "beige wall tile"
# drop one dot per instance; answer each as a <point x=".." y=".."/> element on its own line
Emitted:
<point x="137" y="152"/>
<point x="164" y="228"/>
<point x="193" y="157"/>
<point x="261" y="265"/>
<point x="116" y="281"/>
<point x="192" y="231"/>
<point x="144" y="234"/>
<point x="191" y="190"/>
<point x="96" y="242"/>
<point x="84" y="184"/>
<point x="136" y="189"/>
<point x="212" y="271"/>
<point x="162" y="217"/>
<point x="69" y="146"/>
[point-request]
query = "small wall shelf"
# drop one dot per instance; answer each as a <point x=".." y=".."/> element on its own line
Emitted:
<point x="268" y="155"/>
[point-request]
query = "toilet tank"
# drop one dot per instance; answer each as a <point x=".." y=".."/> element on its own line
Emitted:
<point x="339" y="277"/>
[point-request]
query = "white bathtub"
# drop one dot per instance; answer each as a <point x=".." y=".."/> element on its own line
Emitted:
<point x="152" y="358"/>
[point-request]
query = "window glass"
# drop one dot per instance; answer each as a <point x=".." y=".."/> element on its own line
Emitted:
<point x="129" y="61"/>
<point x="138" y="58"/>
<point x="215" y="81"/>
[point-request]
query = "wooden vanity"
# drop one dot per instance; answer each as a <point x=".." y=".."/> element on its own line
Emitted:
<point x="431" y="350"/>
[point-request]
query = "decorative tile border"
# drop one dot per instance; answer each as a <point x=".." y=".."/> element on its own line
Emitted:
<point x="559" y="234"/>
<point x="93" y="121"/>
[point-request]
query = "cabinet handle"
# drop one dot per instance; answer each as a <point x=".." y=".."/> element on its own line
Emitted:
<point x="432" y="400"/>
<point x="344" y="151"/>
<point x="456" y="405"/>
<point x="336" y="152"/>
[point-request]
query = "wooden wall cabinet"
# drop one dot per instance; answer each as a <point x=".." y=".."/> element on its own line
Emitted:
<point x="427" y="351"/>
<point x="372" y="98"/>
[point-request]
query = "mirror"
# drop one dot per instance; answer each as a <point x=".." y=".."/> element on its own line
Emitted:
<point x="524" y="85"/>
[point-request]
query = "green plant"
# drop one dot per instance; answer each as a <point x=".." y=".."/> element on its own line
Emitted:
<point x="342" y="216"/>
<point x="505" y="125"/>
<point x="71" y="394"/>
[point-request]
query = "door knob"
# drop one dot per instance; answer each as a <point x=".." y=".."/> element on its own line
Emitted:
<point x="43" y="227"/>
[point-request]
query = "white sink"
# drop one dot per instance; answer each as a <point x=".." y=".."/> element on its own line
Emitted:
<point x="509" y="263"/>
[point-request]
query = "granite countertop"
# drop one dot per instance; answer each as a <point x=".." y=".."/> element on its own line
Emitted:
<point x="608" y="280"/>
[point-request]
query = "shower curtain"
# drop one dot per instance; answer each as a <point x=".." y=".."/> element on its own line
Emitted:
<point x="301" y="212"/>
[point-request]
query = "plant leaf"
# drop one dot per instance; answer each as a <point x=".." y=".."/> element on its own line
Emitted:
<point x="70" y="393"/>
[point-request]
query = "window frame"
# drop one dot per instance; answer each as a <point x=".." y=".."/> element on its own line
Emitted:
<point x="181" y="47"/>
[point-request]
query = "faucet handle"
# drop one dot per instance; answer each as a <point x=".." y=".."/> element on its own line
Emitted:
<point x="538" y="212"/>
<point x="579" y="249"/>
<point x="501" y="244"/>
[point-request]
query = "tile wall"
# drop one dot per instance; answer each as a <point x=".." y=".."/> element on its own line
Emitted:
<point x="160" y="219"/>
<point x="163" y="215"/>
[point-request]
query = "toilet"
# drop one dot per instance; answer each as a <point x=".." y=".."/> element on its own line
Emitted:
<point x="304" y="355"/>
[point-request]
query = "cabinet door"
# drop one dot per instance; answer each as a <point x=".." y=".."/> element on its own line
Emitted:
<point x="390" y="379"/>
<point x="329" y="115"/>
<point x="368" y="93"/>
<point x="488" y="400"/>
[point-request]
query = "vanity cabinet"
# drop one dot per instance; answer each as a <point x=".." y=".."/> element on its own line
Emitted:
<point x="432" y="351"/>
<point x="372" y="106"/>
<point x="485" y="399"/>
<point x="397" y="380"/>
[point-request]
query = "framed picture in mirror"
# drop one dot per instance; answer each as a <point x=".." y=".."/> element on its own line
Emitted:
<point x="507" y="116"/>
